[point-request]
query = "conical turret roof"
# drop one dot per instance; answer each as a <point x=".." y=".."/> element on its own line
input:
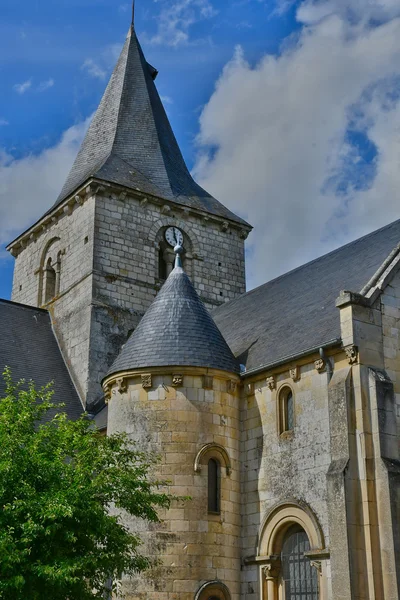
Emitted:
<point x="177" y="330"/>
<point x="130" y="141"/>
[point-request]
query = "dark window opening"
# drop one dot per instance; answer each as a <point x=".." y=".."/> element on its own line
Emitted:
<point x="300" y="579"/>
<point x="162" y="265"/>
<point x="214" y="483"/>
<point x="50" y="286"/>
<point x="286" y="411"/>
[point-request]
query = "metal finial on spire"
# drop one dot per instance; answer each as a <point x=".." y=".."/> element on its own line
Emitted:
<point x="133" y="13"/>
<point x="178" y="251"/>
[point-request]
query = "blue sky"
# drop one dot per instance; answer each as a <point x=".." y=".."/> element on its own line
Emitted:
<point x="287" y="111"/>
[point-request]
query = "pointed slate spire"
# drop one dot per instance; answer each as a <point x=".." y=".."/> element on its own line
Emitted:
<point x="130" y="141"/>
<point x="177" y="330"/>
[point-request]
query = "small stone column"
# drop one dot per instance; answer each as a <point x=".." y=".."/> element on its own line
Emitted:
<point x="270" y="575"/>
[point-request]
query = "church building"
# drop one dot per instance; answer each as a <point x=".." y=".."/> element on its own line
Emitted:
<point x="277" y="411"/>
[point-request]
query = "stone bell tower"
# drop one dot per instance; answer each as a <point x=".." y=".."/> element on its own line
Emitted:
<point x="99" y="256"/>
<point x="174" y="390"/>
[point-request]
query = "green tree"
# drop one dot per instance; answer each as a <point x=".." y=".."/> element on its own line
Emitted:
<point x="58" y="480"/>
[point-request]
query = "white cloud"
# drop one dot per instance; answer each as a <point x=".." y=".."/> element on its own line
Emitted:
<point x="45" y="85"/>
<point x="30" y="185"/>
<point x="306" y="144"/>
<point x="176" y="18"/>
<point x="100" y="68"/>
<point x="93" y="69"/>
<point x="3" y="122"/>
<point x="21" y="88"/>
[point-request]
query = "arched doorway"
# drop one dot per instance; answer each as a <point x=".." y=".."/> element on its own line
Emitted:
<point x="292" y="554"/>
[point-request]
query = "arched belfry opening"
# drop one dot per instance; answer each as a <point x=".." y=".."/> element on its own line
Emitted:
<point x="50" y="281"/>
<point x="50" y="272"/>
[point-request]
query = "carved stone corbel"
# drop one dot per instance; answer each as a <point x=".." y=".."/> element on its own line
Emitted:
<point x="208" y="382"/>
<point x="231" y="386"/>
<point x="122" y="384"/>
<point x="146" y="380"/>
<point x="320" y="365"/>
<point x="295" y="373"/>
<point x="107" y="392"/>
<point x="249" y="389"/>
<point x="243" y="234"/>
<point x="177" y="380"/>
<point x="225" y="226"/>
<point x="352" y="354"/>
<point x="271" y="383"/>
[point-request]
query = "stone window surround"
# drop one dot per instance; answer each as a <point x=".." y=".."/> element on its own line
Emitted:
<point x="282" y="394"/>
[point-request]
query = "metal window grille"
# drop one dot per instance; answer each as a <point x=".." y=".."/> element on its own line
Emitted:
<point x="300" y="579"/>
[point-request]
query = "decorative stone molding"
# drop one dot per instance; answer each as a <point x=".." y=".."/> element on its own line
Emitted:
<point x="122" y="196"/>
<point x="185" y="213"/>
<point x="107" y="392"/>
<point x="177" y="380"/>
<point x="122" y="384"/>
<point x="243" y="234"/>
<point x="271" y="382"/>
<point x="224" y="226"/>
<point x="295" y="373"/>
<point x="208" y="382"/>
<point x="146" y="380"/>
<point x="144" y="202"/>
<point x="210" y="451"/>
<point x="78" y="200"/>
<point x="166" y="209"/>
<point x="320" y="365"/>
<point x="272" y="569"/>
<point x="231" y="386"/>
<point x="317" y="564"/>
<point x="67" y="209"/>
<point x="352" y="354"/>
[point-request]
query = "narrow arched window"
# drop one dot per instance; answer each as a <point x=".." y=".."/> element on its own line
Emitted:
<point x="50" y="282"/>
<point x="214" y="486"/>
<point x="286" y="410"/>
<point x="299" y="578"/>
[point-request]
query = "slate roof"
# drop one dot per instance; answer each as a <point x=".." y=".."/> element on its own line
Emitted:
<point x="130" y="141"/>
<point x="29" y="347"/>
<point x="177" y="330"/>
<point x="296" y="312"/>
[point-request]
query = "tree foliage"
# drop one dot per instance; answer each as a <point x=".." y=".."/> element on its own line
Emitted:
<point x="58" y="480"/>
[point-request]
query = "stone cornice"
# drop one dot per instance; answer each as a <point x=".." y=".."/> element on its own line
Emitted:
<point x="94" y="187"/>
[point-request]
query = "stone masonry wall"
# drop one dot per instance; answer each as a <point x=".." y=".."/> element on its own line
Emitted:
<point x="278" y="467"/>
<point x="126" y="276"/>
<point x="71" y="308"/>
<point x="176" y="423"/>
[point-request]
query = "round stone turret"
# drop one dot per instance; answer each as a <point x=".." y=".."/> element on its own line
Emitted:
<point x="174" y="390"/>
